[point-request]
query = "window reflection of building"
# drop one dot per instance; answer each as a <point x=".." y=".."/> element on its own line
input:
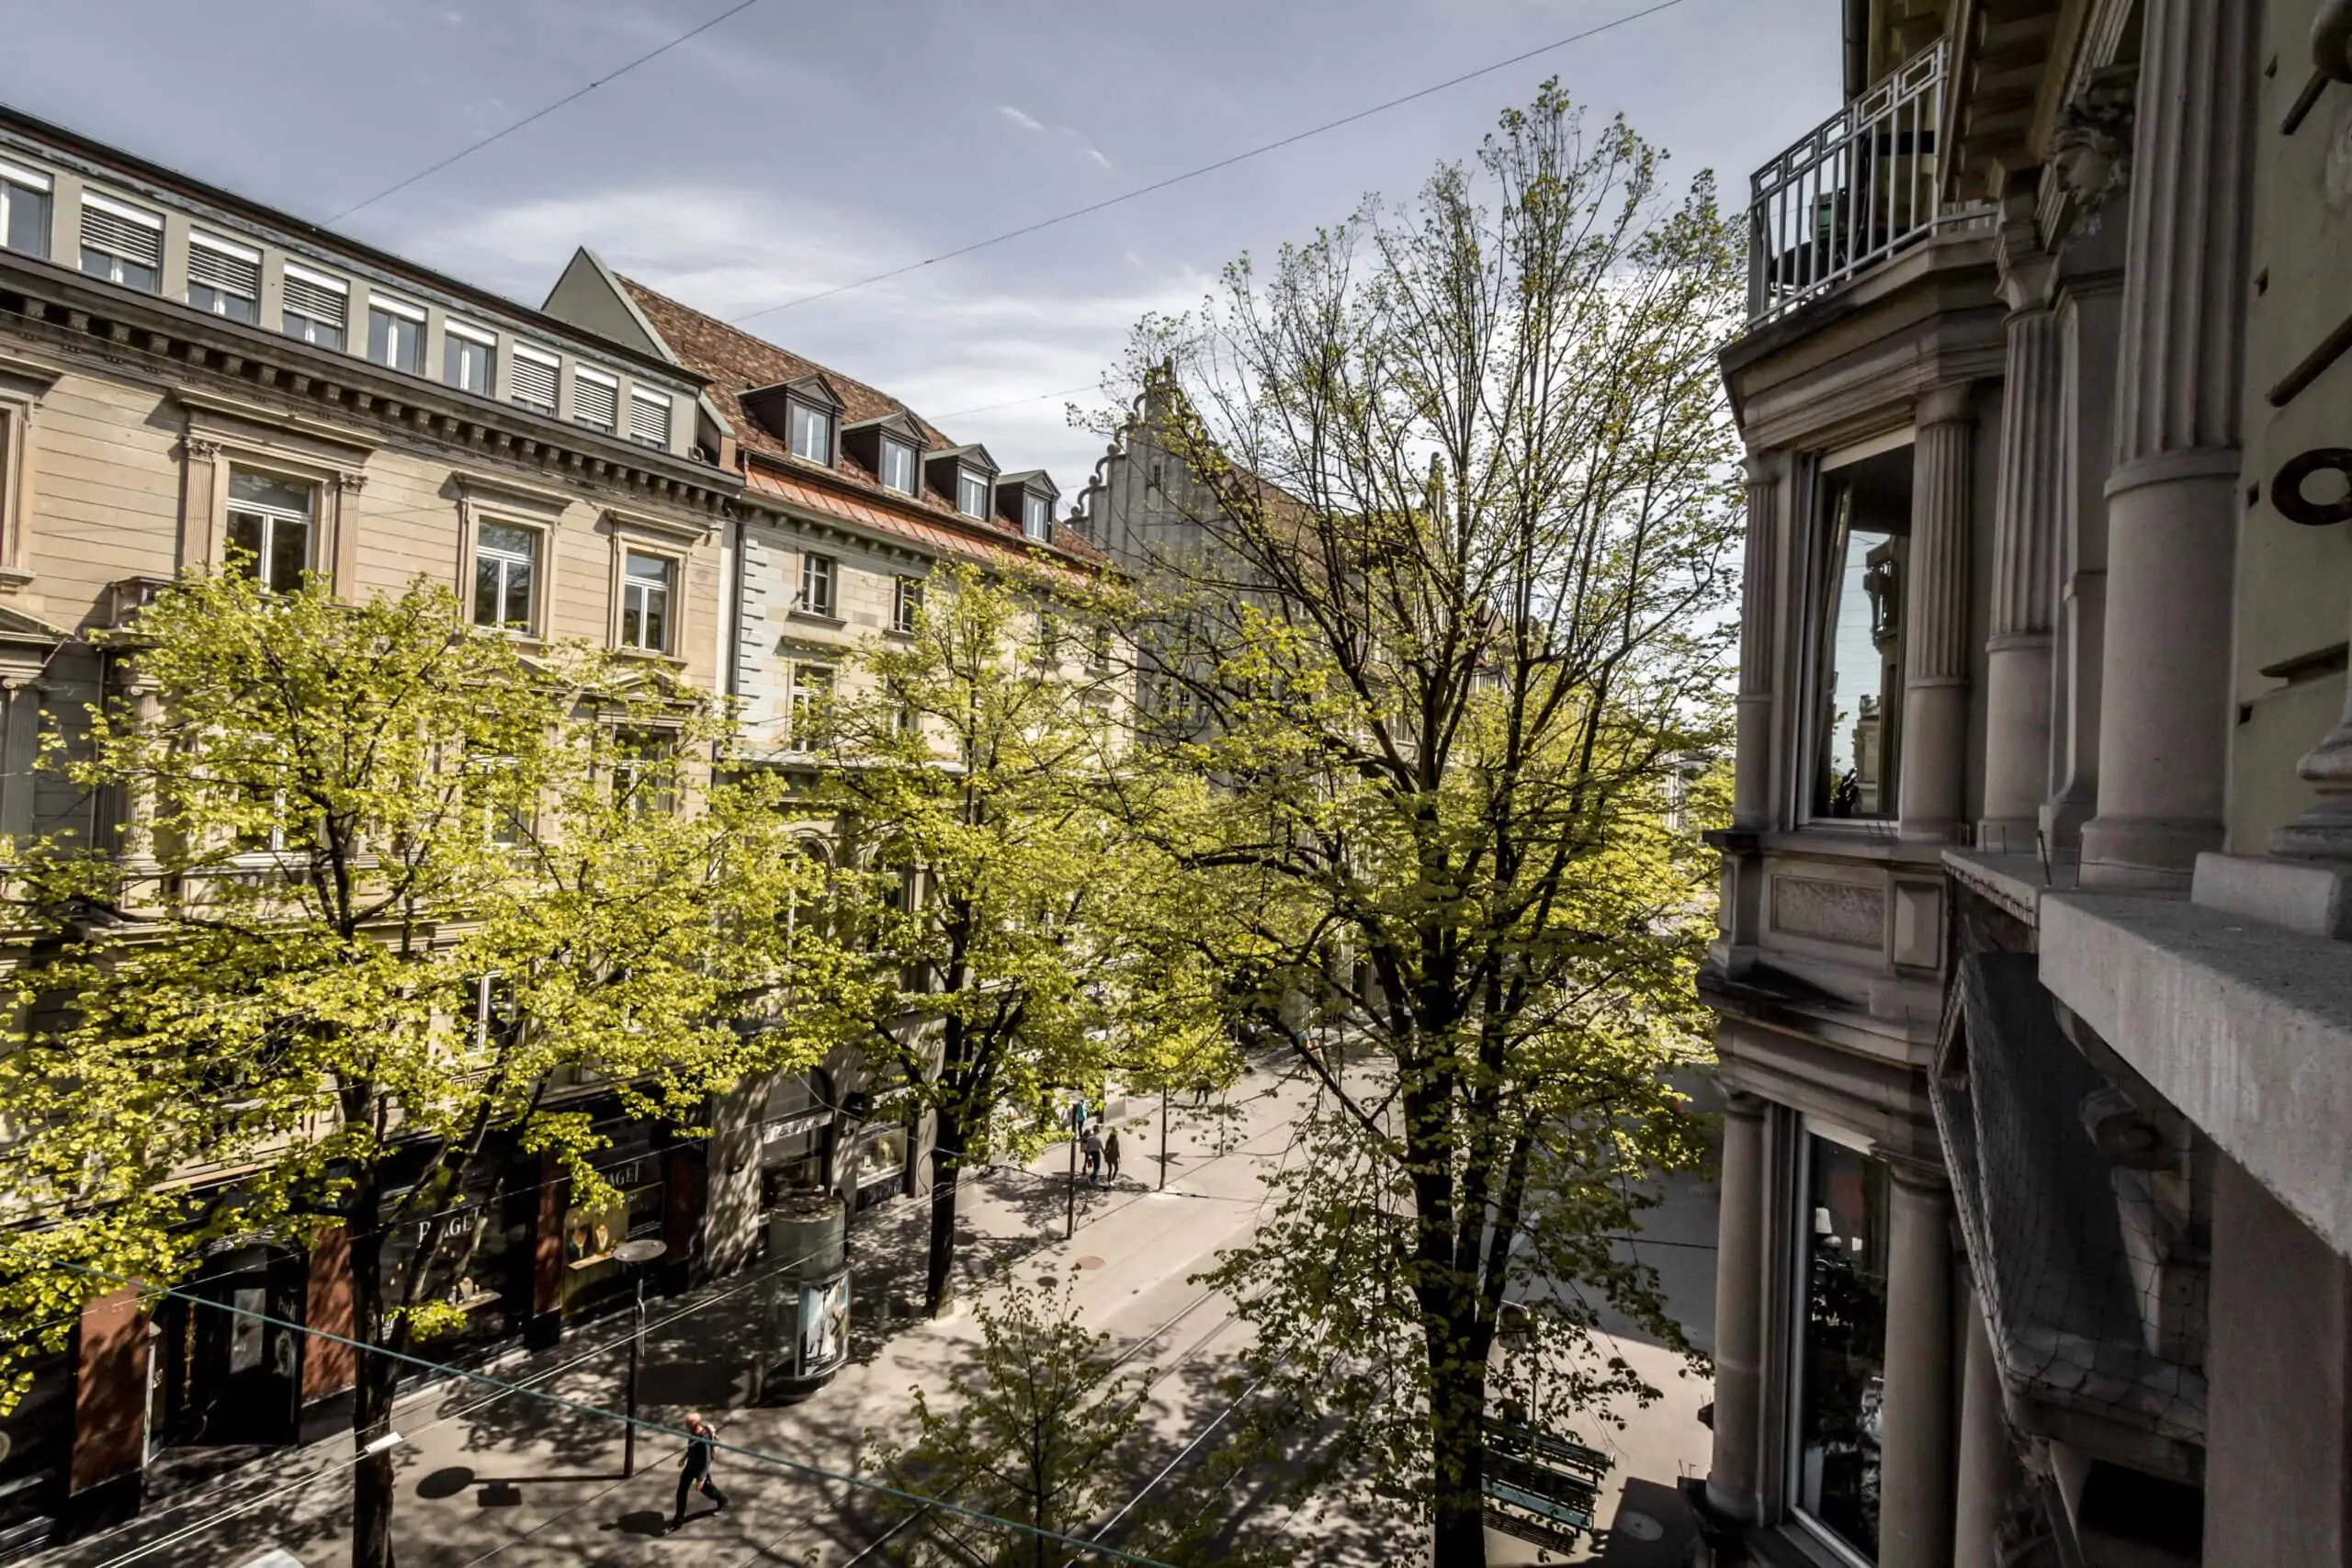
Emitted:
<point x="1841" y="1347"/>
<point x="1859" y="684"/>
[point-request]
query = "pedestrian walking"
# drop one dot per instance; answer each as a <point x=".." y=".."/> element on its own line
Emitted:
<point x="1092" y="1142"/>
<point x="693" y="1470"/>
<point x="1111" y="1156"/>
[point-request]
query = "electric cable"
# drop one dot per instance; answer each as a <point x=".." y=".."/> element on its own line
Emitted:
<point x="801" y="1467"/>
<point x="537" y="115"/>
<point x="1227" y="163"/>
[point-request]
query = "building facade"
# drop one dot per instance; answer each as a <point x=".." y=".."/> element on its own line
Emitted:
<point x="2032" y="981"/>
<point x="186" y="379"/>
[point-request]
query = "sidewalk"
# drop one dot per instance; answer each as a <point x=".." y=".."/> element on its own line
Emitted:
<point x="486" y="1477"/>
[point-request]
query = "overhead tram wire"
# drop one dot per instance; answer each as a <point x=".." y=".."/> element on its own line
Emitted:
<point x="540" y="114"/>
<point x="801" y="1467"/>
<point x="1243" y="157"/>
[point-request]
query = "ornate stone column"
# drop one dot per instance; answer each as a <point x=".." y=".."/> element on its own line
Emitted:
<point x="1752" y="764"/>
<point x="1916" y="1451"/>
<point x="1733" y="1478"/>
<point x="1932" y="786"/>
<point x="2089" y="313"/>
<point x="2172" y="503"/>
<point x="1988" y="1467"/>
<point x="2025" y="547"/>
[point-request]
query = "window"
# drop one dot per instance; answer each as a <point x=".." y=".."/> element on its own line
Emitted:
<point x="505" y="819"/>
<point x="648" y="418"/>
<point x="971" y="492"/>
<point x="644" y="777"/>
<point x="24" y="209"/>
<point x="315" y="307"/>
<point x="897" y="465"/>
<point x="1101" y="647"/>
<point x="270" y="525"/>
<point x="121" y="242"/>
<point x="505" y="563"/>
<point x="535" y="377"/>
<point x="497" y="1023"/>
<point x="813" y="698"/>
<point x="1036" y="520"/>
<point x="645" y="603"/>
<point x="467" y="354"/>
<point x="818" y="576"/>
<point x="1049" y="638"/>
<point x="595" y="399"/>
<point x="224" y="277"/>
<point x="906" y="607"/>
<point x="812" y="433"/>
<point x="1858" y="742"/>
<point x="1841" y="1345"/>
<point x="396" y="335"/>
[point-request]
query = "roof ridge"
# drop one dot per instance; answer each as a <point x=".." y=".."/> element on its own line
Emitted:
<point x="762" y="345"/>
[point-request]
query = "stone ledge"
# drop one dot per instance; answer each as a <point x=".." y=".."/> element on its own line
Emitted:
<point x="2244" y="1026"/>
<point x="2016" y="883"/>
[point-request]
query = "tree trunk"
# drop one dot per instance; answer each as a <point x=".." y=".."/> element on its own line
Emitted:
<point x="947" y="1175"/>
<point x="1458" y="1445"/>
<point x="373" y="1380"/>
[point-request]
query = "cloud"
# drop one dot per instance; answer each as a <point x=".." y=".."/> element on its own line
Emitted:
<point x="1025" y="121"/>
<point x="1101" y="160"/>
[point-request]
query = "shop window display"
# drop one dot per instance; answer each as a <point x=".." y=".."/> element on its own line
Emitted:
<point x="1842" y="1343"/>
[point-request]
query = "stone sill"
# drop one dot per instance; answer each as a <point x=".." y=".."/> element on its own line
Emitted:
<point x="1867" y="844"/>
<point x="2016" y="883"/>
<point x="2244" y="1026"/>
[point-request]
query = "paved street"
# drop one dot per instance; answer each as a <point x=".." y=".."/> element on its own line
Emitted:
<point x="507" y="1480"/>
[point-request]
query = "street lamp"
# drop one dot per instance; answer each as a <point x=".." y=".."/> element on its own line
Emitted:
<point x="634" y="1255"/>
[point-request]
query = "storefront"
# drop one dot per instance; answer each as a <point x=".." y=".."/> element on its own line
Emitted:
<point x="480" y="1240"/>
<point x="224" y="1356"/>
<point x="36" y="1445"/>
<point x="878" y="1167"/>
<point x="797" y="1135"/>
<point x="636" y="1171"/>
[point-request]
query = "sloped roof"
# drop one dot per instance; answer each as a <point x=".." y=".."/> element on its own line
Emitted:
<point x="737" y="363"/>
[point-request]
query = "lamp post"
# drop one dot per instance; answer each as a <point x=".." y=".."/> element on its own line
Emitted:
<point x="1163" y="1135"/>
<point x="634" y="1255"/>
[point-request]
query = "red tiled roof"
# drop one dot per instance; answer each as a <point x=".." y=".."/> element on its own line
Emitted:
<point x="737" y="363"/>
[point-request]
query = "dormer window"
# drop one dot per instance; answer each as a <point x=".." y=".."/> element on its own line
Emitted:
<point x="1036" y="519"/>
<point x="812" y="433"/>
<point x="396" y="334"/>
<point x="971" y="492"/>
<point x="897" y="467"/>
<point x="224" y="277"/>
<point x="595" y="399"/>
<point x="121" y="242"/>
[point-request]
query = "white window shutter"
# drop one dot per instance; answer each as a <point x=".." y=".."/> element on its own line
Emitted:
<point x="534" y="377"/>
<point x="648" y="417"/>
<point x="220" y="264"/>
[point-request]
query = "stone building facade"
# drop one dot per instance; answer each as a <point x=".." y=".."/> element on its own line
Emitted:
<point x="2032" y="983"/>
<point x="182" y="372"/>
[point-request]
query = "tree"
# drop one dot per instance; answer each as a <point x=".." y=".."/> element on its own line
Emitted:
<point x="348" y="826"/>
<point x="1461" y="485"/>
<point x="970" y="763"/>
<point x="1041" y="1426"/>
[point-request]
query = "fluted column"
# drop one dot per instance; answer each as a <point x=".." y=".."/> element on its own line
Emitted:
<point x="2025" y="547"/>
<point x="1915" y="1452"/>
<point x="1735" y="1476"/>
<point x="2089" y="314"/>
<point x="2172" y="503"/>
<point x="1932" y="780"/>
<point x="1988" y="1467"/>
<point x="1752" y="764"/>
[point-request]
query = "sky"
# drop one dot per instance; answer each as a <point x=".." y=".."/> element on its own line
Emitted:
<point x="794" y="147"/>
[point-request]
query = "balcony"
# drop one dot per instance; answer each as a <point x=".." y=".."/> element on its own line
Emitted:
<point x="1859" y="188"/>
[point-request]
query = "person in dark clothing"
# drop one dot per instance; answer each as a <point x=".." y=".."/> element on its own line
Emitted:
<point x="702" y="1440"/>
<point x="1111" y="1156"/>
<point x="1090" y="1144"/>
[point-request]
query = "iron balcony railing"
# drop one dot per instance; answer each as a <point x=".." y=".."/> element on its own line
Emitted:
<point x="1860" y="188"/>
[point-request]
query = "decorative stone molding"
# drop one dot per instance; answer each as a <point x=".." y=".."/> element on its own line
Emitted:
<point x="2090" y="153"/>
<point x="1850" y="914"/>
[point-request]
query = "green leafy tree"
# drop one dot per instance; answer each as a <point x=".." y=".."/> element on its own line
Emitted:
<point x="1455" y="491"/>
<point x="971" y="764"/>
<point x="341" y="819"/>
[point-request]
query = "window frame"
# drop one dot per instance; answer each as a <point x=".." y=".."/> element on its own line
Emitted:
<point x="270" y="517"/>
<point x="1827" y="495"/>
<point x="651" y="398"/>
<point x="906" y="603"/>
<point x="122" y="212"/>
<point x="535" y="594"/>
<point x="22" y="388"/>
<point x="545" y="359"/>
<point x="893" y="448"/>
<point x="643" y="755"/>
<point x="806" y="677"/>
<point x="396" y="313"/>
<point x="819" y="419"/>
<point x="455" y="333"/>
<point x="967" y="476"/>
<point x="234" y="250"/>
<point x="819" y="569"/>
<point x="1035" y="502"/>
<point x="35" y="183"/>
<point x="591" y="376"/>
<point x="1798" y="1247"/>
<point x="673" y="627"/>
<point x="326" y="284"/>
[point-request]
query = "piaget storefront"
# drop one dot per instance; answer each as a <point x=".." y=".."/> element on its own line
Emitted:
<point x="637" y="1209"/>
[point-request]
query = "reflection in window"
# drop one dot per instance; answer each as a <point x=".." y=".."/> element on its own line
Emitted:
<point x="1862" y="678"/>
<point x="269" y="528"/>
<point x="1843" y="1353"/>
<point x="504" y="559"/>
